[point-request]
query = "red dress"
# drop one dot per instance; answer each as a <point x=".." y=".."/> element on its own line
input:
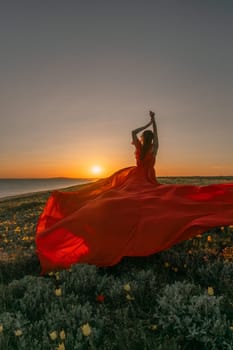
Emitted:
<point x="127" y="214"/>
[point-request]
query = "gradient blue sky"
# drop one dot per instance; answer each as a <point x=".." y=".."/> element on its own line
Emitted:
<point x="78" y="76"/>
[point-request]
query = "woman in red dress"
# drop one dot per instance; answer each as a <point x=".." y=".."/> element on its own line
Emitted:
<point x="127" y="214"/>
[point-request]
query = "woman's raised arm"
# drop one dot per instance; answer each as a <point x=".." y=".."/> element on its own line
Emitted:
<point x="155" y="131"/>
<point x="136" y="131"/>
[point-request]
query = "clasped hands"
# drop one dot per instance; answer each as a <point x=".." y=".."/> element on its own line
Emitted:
<point x="152" y="116"/>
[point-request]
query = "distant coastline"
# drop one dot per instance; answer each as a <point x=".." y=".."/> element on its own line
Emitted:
<point x="19" y="186"/>
<point x="48" y="178"/>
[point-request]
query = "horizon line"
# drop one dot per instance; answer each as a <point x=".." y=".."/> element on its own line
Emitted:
<point x="96" y="178"/>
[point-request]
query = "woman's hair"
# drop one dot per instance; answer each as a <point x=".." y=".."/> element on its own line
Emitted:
<point x="148" y="137"/>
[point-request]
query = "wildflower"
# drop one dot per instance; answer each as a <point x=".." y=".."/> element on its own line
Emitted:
<point x="86" y="329"/>
<point x="166" y="264"/>
<point x="58" y="292"/>
<point x="209" y="239"/>
<point x="18" y="332"/>
<point x="1" y="327"/>
<point x="50" y="273"/>
<point x="127" y="287"/>
<point x="231" y="328"/>
<point x="175" y="269"/>
<point x="185" y="265"/>
<point x="61" y="346"/>
<point x="222" y="228"/>
<point x="228" y="253"/>
<point x="100" y="298"/>
<point x="210" y="291"/>
<point x="53" y="335"/>
<point x="128" y="297"/>
<point x="153" y="327"/>
<point x="57" y="275"/>
<point x="198" y="236"/>
<point x="62" y="335"/>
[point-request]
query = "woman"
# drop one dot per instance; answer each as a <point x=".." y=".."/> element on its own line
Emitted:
<point x="127" y="214"/>
<point x="146" y="148"/>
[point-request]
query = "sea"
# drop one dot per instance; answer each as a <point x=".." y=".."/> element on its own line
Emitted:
<point x="15" y="187"/>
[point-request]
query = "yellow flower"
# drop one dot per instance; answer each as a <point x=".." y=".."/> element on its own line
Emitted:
<point x="209" y="239"/>
<point x="153" y="327"/>
<point x="18" y="332"/>
<point x="1" y="327"/>
<point x="185" y="265"/>
<point x="86" y="329"/>
<point x="175" y="269"/>
<point x="61" y="346"/>
<point x="58" y="292"/>
<point x="53" y="335"/>
<point x="231" y="328"/>
<point x="57" y="275"/>
<point x="210" y="291"/>
<point x="50" y="273"/>
<point x="128" y="297"/>
<point x="127" y="287"/>
<point x="166" y="264"/>
<point x="62" y="335"/>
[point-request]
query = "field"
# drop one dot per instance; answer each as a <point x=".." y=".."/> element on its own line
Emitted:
<point x="181" y="298"/>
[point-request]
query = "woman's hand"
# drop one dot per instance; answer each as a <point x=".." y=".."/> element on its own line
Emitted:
<point x="152" y="115"/>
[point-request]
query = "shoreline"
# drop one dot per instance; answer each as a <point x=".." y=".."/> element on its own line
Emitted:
<point x="31" y="194"/>
<point x="41" y="192"/>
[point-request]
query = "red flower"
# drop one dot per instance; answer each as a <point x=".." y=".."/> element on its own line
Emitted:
<point x="100" y="298"/>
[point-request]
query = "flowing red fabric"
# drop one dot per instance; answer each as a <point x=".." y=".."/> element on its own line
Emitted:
<point x="127" y="214"/>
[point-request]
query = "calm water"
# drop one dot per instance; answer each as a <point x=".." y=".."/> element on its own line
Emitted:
<point x="14" y="187"/>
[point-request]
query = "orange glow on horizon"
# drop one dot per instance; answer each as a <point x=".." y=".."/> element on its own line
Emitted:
<point x="90" y="172"/>
<point x="83" y="168"/>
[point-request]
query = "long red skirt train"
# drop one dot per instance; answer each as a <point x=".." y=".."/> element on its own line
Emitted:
<point x="126" y="214"/>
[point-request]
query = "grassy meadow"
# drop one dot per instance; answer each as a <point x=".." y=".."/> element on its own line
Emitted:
<point x="181" y="298"/>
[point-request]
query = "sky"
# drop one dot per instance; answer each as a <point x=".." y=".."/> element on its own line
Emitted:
<point x="78" y="76"/>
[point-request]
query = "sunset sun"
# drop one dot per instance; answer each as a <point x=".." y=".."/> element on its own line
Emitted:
<point x="96" y="169"/>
